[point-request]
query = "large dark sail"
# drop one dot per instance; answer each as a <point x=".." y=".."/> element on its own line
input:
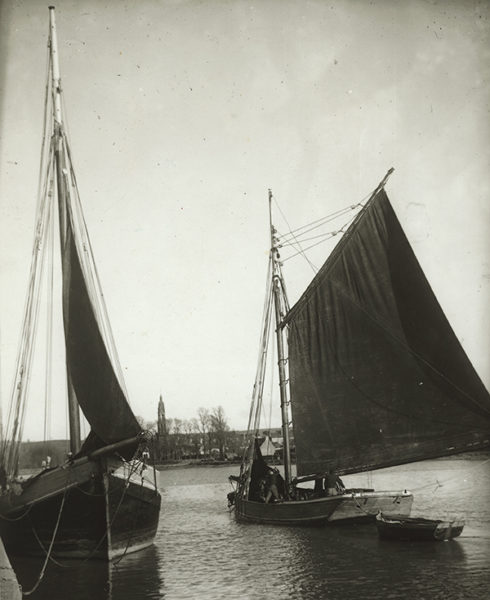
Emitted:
<point x="377" y="375"/>
<point x="94" y="381"/>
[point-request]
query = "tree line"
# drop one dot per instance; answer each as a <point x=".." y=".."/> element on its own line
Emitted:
<point x="206" y="436"/>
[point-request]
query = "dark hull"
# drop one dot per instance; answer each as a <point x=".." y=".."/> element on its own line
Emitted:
<point x="359" y="506"/>
<point x="399" y="527"/>
<point x="102" y="512"/>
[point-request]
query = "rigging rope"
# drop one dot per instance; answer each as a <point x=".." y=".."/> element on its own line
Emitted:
<point x="134" y="464"/>
<point x="377" y="319"/>
<point x="18" y="402"/>
<point x="92" y="275"/>
<point x="257" y="392"/>
<point x="130" y="536"/>
<point x="9" y="452"/>
<point x="300" y="250"/>
<point x="19" y="518"/>
<point x="294" y="238"/>
<point x="440" y="484"/>
<point x="287" y="239"/>
<point x="272" y="381"/>
<point x="49" y="330"/>
<point x="42" y="241"/>
<point x="264" y="342"/>
<point x="330" y="235"/>
<point x="322" y="220"/>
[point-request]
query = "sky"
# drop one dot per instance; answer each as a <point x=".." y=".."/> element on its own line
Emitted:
<point x="182" y="114"/>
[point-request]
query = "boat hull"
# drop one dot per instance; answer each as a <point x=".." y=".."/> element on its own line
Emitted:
<point x="398" y="527"/>
<point x="105" y="509"/>
<point x="357" y="506"/>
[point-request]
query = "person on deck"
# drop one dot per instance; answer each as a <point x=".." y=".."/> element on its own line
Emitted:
<point x="274" y="481"/>
<point x="3" y="479"/>
<point x="319" y="491"/>
<point x="262" y="489"/>
<point x="333" y="484"/>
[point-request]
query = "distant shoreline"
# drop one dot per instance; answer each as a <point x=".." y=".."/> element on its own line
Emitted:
<point x="480" y="455"/>
<point x="183" y="464"/>
<point x="187" y="463"/>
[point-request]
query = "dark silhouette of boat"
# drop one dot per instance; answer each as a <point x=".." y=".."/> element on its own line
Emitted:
<point x="103" y="502"/>
<point x="371" y="375"/>
<point x="400" y="527"/>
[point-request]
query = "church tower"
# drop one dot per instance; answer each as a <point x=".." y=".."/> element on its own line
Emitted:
<point x="162" y="430"/>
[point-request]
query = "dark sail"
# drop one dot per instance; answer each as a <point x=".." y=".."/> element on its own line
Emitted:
<point x="96" y="386"/>
<point x="377" y="375"/>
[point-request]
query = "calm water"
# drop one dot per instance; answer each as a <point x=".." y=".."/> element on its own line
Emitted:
<point x="202" y="553"/>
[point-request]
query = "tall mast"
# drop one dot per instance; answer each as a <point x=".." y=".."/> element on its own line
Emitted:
<point x="55" y="68"/>
<point x="281" y="359"/>
<point x="62" y="187"/>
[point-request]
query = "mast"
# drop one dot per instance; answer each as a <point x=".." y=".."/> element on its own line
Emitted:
<point x="63" y="193"/>
<point x="277" y="288"/>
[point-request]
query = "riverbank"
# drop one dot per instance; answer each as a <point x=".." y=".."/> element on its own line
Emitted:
<point x="194" y="462"/>
<point x="201" y="551"/>
<point x="205" y="462"/>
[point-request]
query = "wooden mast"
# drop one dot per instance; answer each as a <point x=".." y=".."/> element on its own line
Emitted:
<point x="281" y="359"/>
<point x="62" y="187"/>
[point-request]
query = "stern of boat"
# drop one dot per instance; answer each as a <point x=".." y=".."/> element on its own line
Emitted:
<point x="362" y="506"/>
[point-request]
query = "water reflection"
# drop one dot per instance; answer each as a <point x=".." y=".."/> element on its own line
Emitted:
<point x="137" y="576"/>
<point x="201" y="552"/>
<point x="338" y="559"/>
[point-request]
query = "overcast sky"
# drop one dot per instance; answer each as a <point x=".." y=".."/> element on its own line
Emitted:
<point x="182" y="114"/>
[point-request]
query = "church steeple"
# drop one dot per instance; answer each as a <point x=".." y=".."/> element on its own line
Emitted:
<point x="162" y="430"/>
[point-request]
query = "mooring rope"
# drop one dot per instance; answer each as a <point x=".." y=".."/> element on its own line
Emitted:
<point x="131" y="471"/>
<point x="130" y="536"/>
<point x="438" y="484"/>
<point x="4" y="518"/>
<point x="50" y="549"/>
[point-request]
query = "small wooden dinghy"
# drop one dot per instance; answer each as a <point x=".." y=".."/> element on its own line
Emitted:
<point x="398" y="527"/>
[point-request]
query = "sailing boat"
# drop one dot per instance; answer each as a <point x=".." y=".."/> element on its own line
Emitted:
<point x="376" y="375"/>
<point x="103" y="502"/>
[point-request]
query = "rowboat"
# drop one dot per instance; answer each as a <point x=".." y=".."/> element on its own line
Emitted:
<point x="399" y="527"/>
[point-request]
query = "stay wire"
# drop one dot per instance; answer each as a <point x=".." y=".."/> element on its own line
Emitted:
<point x="43" y="167"/>
<point x="285" y="239"/>
<point x="94" y="277"/>
<point x="263" y="367"/>
<point x="322" y="220"/>
<point x="27" y="339"/>
<point x="301" y="251"/>
<point x="342" y="230"/>
<point x="87" y="257"/>
<point x="268" y="418"/>
<point x="49" y="328"/>
<point x="263" y="345"/>
<point x="297" y="241"/>
<point x="35" y="319"/>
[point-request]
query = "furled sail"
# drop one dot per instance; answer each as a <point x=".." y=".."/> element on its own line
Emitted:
<point x="377" y="375"/>
<point x="94" y="381"/>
